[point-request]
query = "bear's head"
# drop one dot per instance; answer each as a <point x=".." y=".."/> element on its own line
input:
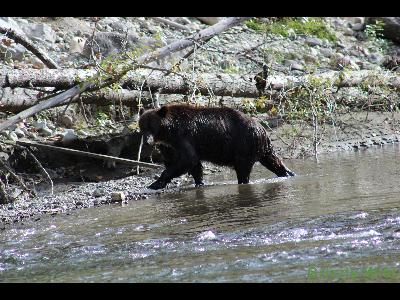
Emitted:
<point x="150" y="123"/>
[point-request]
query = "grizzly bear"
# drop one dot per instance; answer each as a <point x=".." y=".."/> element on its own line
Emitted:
<point x="188" y="135"/>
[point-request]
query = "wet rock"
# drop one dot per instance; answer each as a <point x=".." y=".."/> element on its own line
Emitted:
<point x="366" y="143"/>
<point x="118" y="196"/>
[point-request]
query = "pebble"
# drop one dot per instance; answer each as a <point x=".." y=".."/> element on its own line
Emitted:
<point x="375" y="58"/>
<point x="66" y="120"/>
<point x="19" y="132"/>
<point x="357" y="27"/>
<point x="12" y="136"/>
<point x="326" y="52"/>
<point x="46" y="131"/>
<point x="312" y="41"/>
<point x="348" y="32"/>
<point x="39" y="124"/>
<point x="99" y="192"/>
<point x="294" y="65"/>
<point x="69" y="135"/>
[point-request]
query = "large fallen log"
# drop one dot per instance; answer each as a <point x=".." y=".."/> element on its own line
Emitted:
<point x="141" y="60"/>
<point x="101" y="98"/>
<point x="233" y="85"/>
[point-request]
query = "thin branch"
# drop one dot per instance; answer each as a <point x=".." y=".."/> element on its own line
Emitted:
<point x="24" y="41"/>
<point x="170" y="23"/>
<point x="41" y="168"/>
<point x="15" y="176"/>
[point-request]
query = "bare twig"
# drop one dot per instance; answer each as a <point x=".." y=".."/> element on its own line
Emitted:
<point x="139" y="153"/>
<point x="3" y="194"/>
<point x="40" y="167"/>
<point x="170" y="23"/>
<point x="24" y="41"/>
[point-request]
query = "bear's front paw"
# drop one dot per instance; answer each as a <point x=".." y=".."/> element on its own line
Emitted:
<point x="197" y="184"/>
<point x="156" y="185"/>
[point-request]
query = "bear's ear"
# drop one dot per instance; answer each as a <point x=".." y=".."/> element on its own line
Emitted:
<point x="162" y="112"/>
<point x="141" y="111"/>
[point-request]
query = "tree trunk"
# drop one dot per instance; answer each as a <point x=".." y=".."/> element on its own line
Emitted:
<point x="233" y="85"/>
<point x="103" y="97"/>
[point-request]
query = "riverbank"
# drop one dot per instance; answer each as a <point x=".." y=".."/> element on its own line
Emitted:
<point x="351" y="133"/>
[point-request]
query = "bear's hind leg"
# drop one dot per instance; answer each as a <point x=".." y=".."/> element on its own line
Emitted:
<point x="243" y="170"/>
<point x="197" y="173"/>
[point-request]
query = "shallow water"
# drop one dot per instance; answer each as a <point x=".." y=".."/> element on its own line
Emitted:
<point x="339" y="220"/>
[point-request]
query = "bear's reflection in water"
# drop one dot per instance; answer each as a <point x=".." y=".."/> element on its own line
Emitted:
<point x="224" y="206"/>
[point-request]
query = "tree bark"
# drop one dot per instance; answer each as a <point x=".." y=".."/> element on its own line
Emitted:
<point x="103" y="97"/>
<point x="233" y="85"/>
<point x="24" y="41"/>
<point x="142" y="60"/>
<point x="171" y="23"/>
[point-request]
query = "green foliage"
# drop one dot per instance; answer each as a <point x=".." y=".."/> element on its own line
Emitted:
<point x="277" y="55"/>
<point x="375" y="30"/>
<point x="231" y="70"/>
<point x="374" y="33"/>
<point x="311" y="99"/>
<point x="255" y="25"/>
<point x="257" y="105"/>
<point x="311" y="26"/>
<point x="102" y="118"/>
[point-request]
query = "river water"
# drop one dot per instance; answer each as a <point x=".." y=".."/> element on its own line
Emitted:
<point x="338" y="221"/>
